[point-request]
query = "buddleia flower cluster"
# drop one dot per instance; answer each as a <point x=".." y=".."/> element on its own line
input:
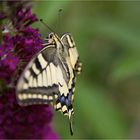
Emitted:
<point x="18" y="43"/>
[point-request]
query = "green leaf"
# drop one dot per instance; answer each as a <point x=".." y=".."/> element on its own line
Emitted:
<point x="126" y="66"/>
<point x="99" y="114"/>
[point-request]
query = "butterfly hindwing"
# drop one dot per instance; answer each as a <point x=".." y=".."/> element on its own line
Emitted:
<point x="69" y="43"/>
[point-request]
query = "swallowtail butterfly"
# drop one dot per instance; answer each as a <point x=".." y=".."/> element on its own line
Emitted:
<point x="50" y="76"/>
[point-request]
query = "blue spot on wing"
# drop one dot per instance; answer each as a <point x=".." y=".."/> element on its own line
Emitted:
<point x="62" y="99"/>
<point x="70" y="95"/>
<point x="68" y="102"/>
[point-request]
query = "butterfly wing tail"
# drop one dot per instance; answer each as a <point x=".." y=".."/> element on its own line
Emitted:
<point x="70" y="124"/>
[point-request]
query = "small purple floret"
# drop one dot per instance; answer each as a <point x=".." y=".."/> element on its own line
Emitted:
<point x="17" y="47"/>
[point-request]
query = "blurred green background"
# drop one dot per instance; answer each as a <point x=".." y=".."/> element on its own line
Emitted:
<point x="107" y="35"/>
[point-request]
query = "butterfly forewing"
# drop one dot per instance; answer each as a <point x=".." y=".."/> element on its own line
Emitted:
<point x="39" y="82"/>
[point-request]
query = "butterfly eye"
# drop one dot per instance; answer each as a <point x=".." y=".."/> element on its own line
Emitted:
<point x="51" y="35"/>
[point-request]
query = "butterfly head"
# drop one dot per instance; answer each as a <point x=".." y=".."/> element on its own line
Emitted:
<point x="53" y="38"/>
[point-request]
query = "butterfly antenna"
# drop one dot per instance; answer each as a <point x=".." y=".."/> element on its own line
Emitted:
<point x="41" y="20"/>
<point x="59" y="18"/>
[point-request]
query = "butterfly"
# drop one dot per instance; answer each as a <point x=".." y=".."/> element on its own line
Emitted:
<point x="50" y="76"/>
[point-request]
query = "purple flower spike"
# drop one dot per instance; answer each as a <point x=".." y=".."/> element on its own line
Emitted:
<point x="32" y="122"/>
<point x="11" y="62"/>
<point x="24" y="17"/>
<point x="19" y="42"/>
